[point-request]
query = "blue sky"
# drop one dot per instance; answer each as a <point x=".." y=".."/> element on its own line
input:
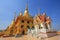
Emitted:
<point x="8" y="7"/>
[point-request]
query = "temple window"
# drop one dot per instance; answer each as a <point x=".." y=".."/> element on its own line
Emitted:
<point x="12" y="30"/>
<point x="40" y="27"/>
<point x="32" y="22"/>
<point x="23" y="32"/>
<point x="28" y="22"/>
<point x="28" y="27"/>
<point x="32" y="27"/>
<point x="22" y="21"/>
<point x="22" y="26"/>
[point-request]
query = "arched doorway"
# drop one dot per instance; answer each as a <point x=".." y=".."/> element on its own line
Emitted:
<point x="23" y="32"/>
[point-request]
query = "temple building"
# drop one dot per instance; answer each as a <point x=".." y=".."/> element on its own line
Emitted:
<point x="20" y="24"/>
<point x="40" y="25"/>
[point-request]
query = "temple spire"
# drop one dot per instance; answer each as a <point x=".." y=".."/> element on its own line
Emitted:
<point x="44" y="14"/>
<point x="39" y="12"/>
<point x="13" y="21"/>
<point x="14" y="16"/>
<point x="26" y="13"/>
<point x="26" y="6"/>
<point x="20" y="14"/>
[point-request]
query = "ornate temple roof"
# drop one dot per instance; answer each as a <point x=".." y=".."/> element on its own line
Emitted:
<point x="44" y="14"/>
<point x="43" y="18"/>
<point x="48" y="20"/>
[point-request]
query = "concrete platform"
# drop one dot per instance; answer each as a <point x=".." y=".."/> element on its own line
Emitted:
<point x="28" y="37"/>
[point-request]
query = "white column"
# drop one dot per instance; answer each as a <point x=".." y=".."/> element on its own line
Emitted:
<point x="49" y="26"/>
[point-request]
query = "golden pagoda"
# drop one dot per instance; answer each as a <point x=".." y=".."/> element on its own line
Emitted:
<point x="23" y="22"/>
<point x="20" y="24"/>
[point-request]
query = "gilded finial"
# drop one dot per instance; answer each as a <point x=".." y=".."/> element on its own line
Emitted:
<point x="14" y="16"/>
<point x="26" y="6"/>
<point x="44" y="14"/>
<point x="20" y="13"/>
<point x="39" y="12"/>
<point x="26" y="13"/>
